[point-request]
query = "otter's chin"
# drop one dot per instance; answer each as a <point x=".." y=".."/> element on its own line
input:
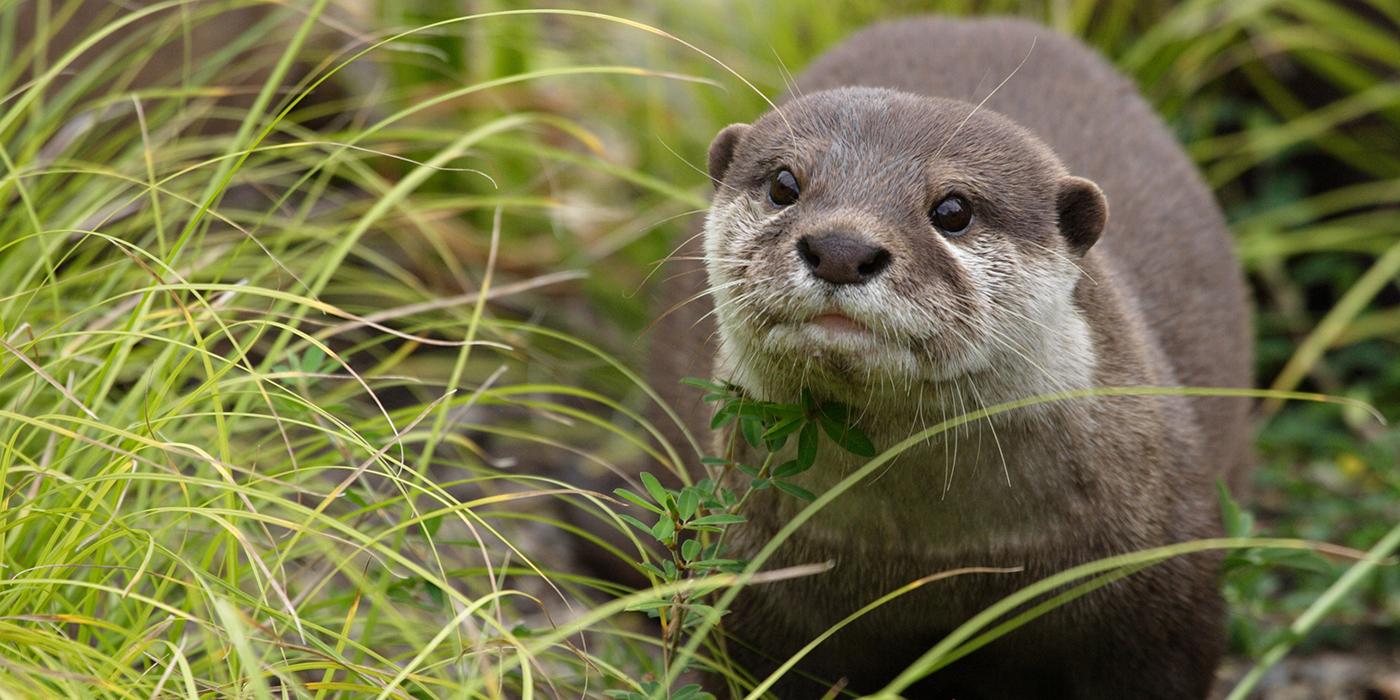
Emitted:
<point x="825" y="334"/>
<point x="835" y="346"/>
<point x="841" y="353"/>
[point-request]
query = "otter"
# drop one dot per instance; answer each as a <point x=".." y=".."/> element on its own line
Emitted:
<point x="945" y="215"/>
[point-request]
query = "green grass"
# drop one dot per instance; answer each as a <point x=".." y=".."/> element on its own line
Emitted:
<point x="298" y="386"/>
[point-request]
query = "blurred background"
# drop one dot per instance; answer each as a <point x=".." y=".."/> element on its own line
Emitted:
<point x="261" y="430"/>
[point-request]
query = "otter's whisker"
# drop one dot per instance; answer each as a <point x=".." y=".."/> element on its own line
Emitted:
<point x="1063" y="257"/>
<point x="717" y="183"/>
<point x="989" y="96"/>
<point x="657" y="265"/>
<point x="734" y="301"/>
<point x="788" y="78"/>
<point x="695" y="297"/>
<point x="991" y="426"/>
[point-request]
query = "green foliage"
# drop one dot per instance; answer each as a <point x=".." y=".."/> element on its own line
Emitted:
<point x="692" y="521"/>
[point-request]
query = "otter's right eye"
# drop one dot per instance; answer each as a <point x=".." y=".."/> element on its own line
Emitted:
<point x="783" y="189"/>
<point x="952" y="215"/>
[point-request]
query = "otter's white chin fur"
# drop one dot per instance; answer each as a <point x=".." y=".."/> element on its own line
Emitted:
<point x="847" y="340"/>
<point x="820" y="332"/>
<point x="844" y="357"/>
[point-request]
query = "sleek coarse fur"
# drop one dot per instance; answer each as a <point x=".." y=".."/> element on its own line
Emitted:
<point x="1094" y="257"/>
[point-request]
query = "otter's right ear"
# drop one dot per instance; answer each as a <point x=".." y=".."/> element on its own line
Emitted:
<point x="1082" y="211"/>
<point x="722" y="150"/>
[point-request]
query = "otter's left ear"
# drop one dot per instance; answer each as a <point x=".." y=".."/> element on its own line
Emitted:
<point x="722" y="150"/>
<point x="1082" y="212"/>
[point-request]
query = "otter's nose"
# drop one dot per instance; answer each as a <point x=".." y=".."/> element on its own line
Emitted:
<point x="842" y="259"/>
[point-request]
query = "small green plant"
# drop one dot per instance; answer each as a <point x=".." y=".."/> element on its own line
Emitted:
<point x="651" y="689"/>
<point x="693" y="520"/>
<point x="1247" y="573"/>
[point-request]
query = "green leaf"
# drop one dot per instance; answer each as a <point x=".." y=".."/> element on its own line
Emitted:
<point x="435" y="593"/>
<point x="850" y="438"/>
<point x="788" y="468"/>
<point x="1238" y="522"/>
<point x="664" y="529"/>
<point x="794" y="489"/>
<point x="1305" y="560"/>
<point x="859" y="443"/>
<point x="638" y="500"/>
<point x="313" y="360"/>
<point x="718" y="519"/>
<point x="783" y="429"/>
<point x="688" y="503"/>
<point x="635" y="522"/>
<point x="354" y="497"/>
<point x="689" y="692"/>
<point x="690" y="549"/>
<point x="723" y="416"/>
<point x="838" y="413"/>
<point x="654" y="487"/>
<point x="700" y="613"/>
<point x="752" y="429"/>
<point x="807" y="445"/>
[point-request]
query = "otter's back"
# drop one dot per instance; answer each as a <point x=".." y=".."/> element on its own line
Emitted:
<point x="1166" y="238"/>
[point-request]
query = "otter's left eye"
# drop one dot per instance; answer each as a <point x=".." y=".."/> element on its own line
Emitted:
<point x="952" y="215"/>
<point x="783" y="189"/>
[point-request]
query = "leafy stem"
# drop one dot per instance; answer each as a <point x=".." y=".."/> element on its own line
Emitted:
<point x="693" y="522"/>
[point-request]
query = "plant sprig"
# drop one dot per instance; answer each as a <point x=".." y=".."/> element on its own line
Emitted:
<point x="691" y="522"/>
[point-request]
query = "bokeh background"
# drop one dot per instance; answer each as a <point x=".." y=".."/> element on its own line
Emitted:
<point x="261" y="433"/>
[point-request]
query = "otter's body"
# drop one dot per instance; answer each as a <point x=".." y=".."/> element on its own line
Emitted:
<point x="842" y="263"/>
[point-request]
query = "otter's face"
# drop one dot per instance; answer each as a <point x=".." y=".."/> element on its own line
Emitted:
<point x="864" y="238"/>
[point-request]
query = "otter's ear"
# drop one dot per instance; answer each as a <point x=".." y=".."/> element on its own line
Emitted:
<point x="1082" y="212"/>
<point x="722" y="150"/>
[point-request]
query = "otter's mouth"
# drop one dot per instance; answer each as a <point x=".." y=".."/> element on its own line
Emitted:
<point x="833" y="348"/>
<point x="837" y="322"/>
<point x="832" y="330"/>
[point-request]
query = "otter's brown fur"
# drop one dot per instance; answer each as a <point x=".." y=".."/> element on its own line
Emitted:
<point x="1161" y="300"/>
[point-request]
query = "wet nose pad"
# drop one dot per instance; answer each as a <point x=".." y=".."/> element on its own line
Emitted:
<point x="841" y="258"/>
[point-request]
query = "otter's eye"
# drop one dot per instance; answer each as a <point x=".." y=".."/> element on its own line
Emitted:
<point x="952" y="215"/>
<point x="783" y="189"/>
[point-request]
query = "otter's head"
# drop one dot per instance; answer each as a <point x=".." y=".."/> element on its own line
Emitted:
<point x="865" y="238"/>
